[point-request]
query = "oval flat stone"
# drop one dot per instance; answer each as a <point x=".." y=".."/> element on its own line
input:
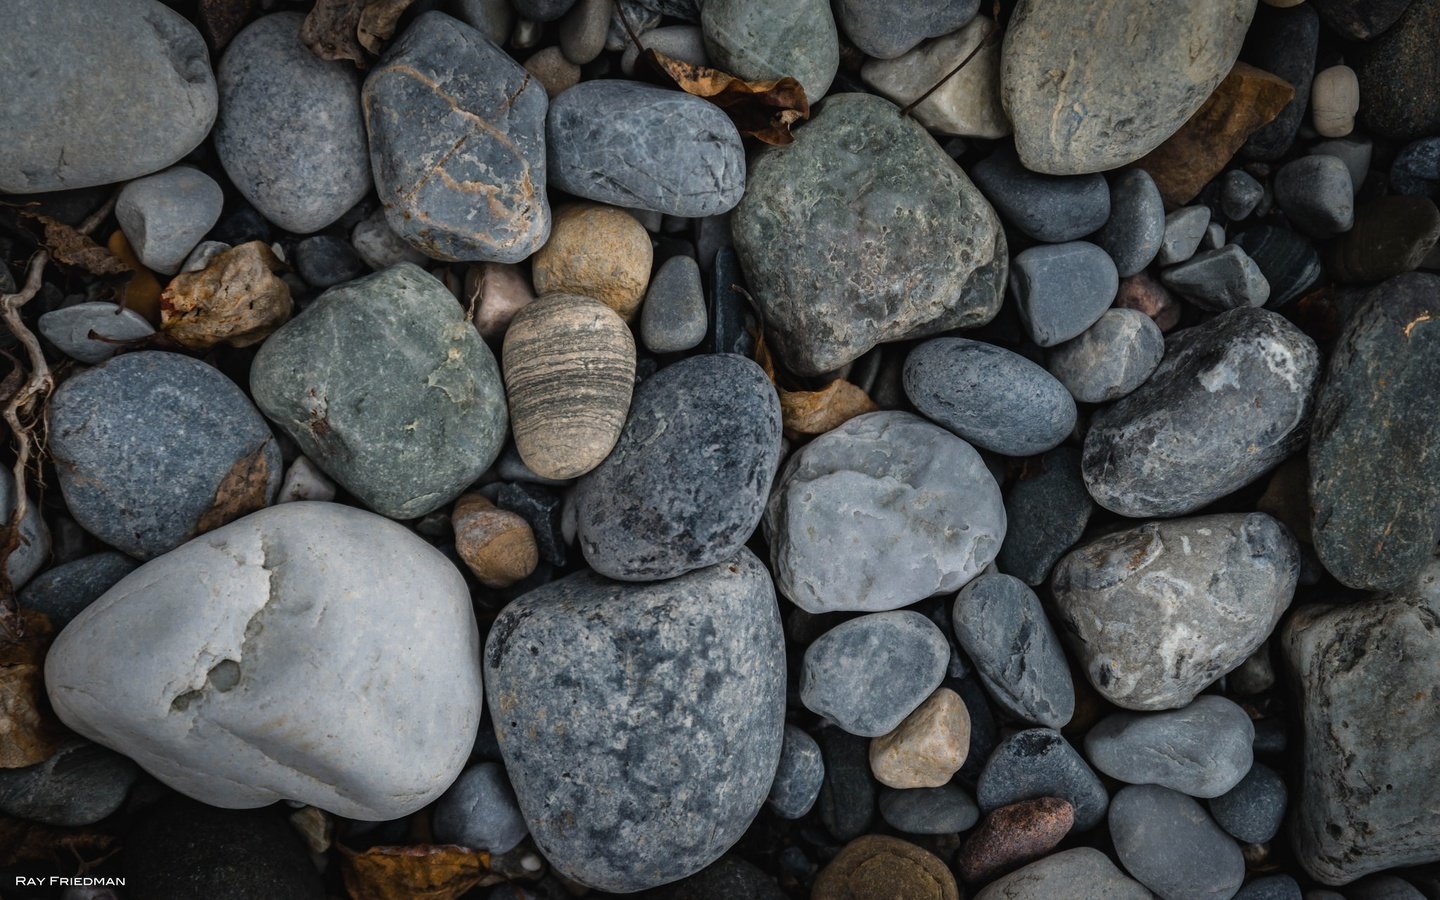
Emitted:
<point x="1002" y="627"/>
<point x="573" y="664"/>
<point x="1081" y="873"/>
<point x="1136" y="227"/>
<point x="885" y="31"/>
<point x="1110" y="358"/>
<point x="1038" y="763"/>
<point x="80" y="784"/>
<point x="759" y="40"/>
<point x="1166" y="840"/>
<point x="69" y="329"/>
<point x="798" y="775"/>
<point x="1062" y="289"/>
<point x="1288" y="261"/>
<point x="1048" y="208"/>
<point x="1253" y="810"/>
<point x="941" y="810"/>
<point x="1202" y="749"/>
<point x="869" y="673"/>
<point x="62" y="592"/>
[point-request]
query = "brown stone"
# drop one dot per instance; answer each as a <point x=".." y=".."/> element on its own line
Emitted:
<point x="1149" y="296"/>
<point x="1011" y="836"/>
<point x="1248" y="99"/>
<point x="496" y="292"/>
<point x="496" y="544"/>
<point x="237" y="299"/>
<point x="928" y="747"/>
<point x="554" y="72"/>
<point x="596" y="251"/>
<point x="877" y="867"/>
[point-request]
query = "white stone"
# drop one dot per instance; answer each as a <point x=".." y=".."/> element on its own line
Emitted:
<point x="968" y="103"/>
<point x="1334" y="101"/>
<point x="69" y="329"/>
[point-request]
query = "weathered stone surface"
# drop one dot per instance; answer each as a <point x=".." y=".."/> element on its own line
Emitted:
<point x="759" y="40"/>
<point x="1231" y="399"/>
<point x="887" y="30"/>
<point x="576" y="662"/>
<point x="1110" y="358"/>
<point x="876" y="866"/>
<point x="1202" y="749"/>
<point x="1082" y="873"/>
<point x="1136" y="228"/>
<point x="457" y="144"/>
<point x="1398" y="71"/>
<point x="1012" y="836"/>
<point x="931" y="520"/>
<point x="1001" y="626"/>
<point x="1092" y="85"/>
<point x="69" y="328"/>
<point x="1045" y="513"/>
<point x="869" y="673"/>
<point x="1166" y="840"/>
<point x="864" y="231"/>
<point x="1159" y="612"/>
<point x="928" y="747"/>
<point x="166" y="214"/>
<point x="1253" y="810"/>
<point x="596" y="251"/>
<point x="248" y="692"/>
<point x="1040" y="763"/>
<point x="80" y="784"/>
<point x="967" y="105"/>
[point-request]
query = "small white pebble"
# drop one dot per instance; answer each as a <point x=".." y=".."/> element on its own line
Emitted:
<point x="1334" y="100"/>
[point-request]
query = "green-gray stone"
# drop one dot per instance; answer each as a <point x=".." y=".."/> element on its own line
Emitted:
<point x="761" y="39"/>
<point x="387" y="386"/>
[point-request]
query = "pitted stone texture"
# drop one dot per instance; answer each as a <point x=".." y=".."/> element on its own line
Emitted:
<point x="866" y="675"/>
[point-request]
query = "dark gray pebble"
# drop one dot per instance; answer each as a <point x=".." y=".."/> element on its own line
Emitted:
<point x="80" y="784"/>
<point x="1002" y="627"/>
<point x="673" y="316"/>
<point x="1041" y="763"/>
<point x="1202" y="749"/>
<point x="1171" y="846"/>
<point x="1240" y="194"/>
<point x="1316" y="195"/>
<point x="325" y="261"/>
<point x="479" y="811"/>
<point x="1416" y="169"/>
<point x="1110" y="358"/>
<point x="1061" y="289"/>
<point x="941" y="810"/>
<point x="848" y="794"/>
<point x="1287" y="259"/>
<point x="1217" y="280"/>
<point x="1050" y="208"/>
<point x="888" y="30"/>
<point x="798" y="776"/>
<point x="1136" y="227"/>
<point x="1253" y="809"/>
<point x="1271" y="887"/>
<point x="62" y="592"/>
<point x="1282" y="42"/>
<point x="1045" y="512"/>
<point x="869" y="673"/>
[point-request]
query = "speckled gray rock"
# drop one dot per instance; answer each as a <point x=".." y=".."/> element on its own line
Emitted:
<point x="166" y="214"/>
<point x="656" y="507"/>
<point x="886" y="30"/>
<point x="930" y="516"/>
<point x="1166" y="840"/>
<point x="798" y="775"/>
<point x="80" y="784"/>
<point x="995" y="399"/>
<point x="62" y="592"/>
<point x="1219" y="279"/>
<point x="1254" y="808"/>
<point x="479" y="811"/>
<point x="1062" y="289"/>
<point x="941" y="810"/>
<point x="1110" y="358"/>
<point x="386" y="387"/>
<point x="1365" y="686"/>
<point x="330" y="656"/>
<point x="291" y="134"/>
<point x="1184" y="229"/>
<point x="1383" y="887"/>
<point x="1136" y="227"/>
<point x="760" y="40"/>
<point x="1045" y="513"/>
<point x="1270" y="887"/>
<point x="673" y="317"/>
<point x="1230" y="400"/>
<point x="1316" y="196"/>
<point x="1289" y="262"/>
<point x="1001" y="626"/>
<point x="869" y="673"/>
<point x="683" y="42"/>
<point x="638" y="145"/>
<point x="154" y="448"/>
<point x="457" y="144"/>
<point x="1041" y="763"/>
<point x="1157" y="613"/>
<point x="572" y="664"/>
<point x="379" y="246"/>
<point x="864" y="231"/>
<point x="1082" y="873"/>
<point x="325" y="261"/>
<point x="1202" y="749"/>
<point x="69" y="328"/>
<point x="1048" y="208"/>
<point x="106" y="91"/>
<point x="1240" y="194"/>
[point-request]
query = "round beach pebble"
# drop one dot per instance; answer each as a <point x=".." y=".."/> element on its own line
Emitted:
<point x="759" y="40"/>
<point x="595" y="251"/>
<point x="69" y="328"/>
<point x="674" y="317"/>
<point x="928" y="747"/>
<point x="798" y="775"/>
<point x="479" y="811"/>
<point x="1110" y="358"/>
<point x="1039" y="762"/>
<point x="1202" y="749"/>
<point x="1078" y="872"/>
<point x="1061" y="289"/>
<point x="497" y="545"/>
<point x="1001" y="626"/>
<point x="166" y="214"/>
<point x="942" y="810"/>
<point x="1166" y="840"/>
<point x="1253" y="810"/>
<point x="879" y="867"/>
<point x="869" y="673"/>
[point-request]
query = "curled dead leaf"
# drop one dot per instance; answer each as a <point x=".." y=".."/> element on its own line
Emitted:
<point x="421" y="872"/>
<point x="241" y="492"/>
<point x="29" y="731"/>
<point x="72" y="850"/>
<point x="765" y="110"/>
<point x="351" y="29"/>
<point x="238" y="299"/>
<point x="69" y="247"/>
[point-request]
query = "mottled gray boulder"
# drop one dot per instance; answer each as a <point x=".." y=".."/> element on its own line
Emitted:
<point x="995" y="399"/>
<point x="864" y="231"/>
<point x="643" y="147"/>
<point x="1091" y="85"/>
<point x="686" y="483"/>
<point x="34" y="544"/>
<point x="479" y="811"/>
<point x="941" y="810"/>
<point x="1062" y="289"/>
<point x="1231" y="399"/>
<point x="1001" y="626"/>
<point x="291" y="134"/>
<point x="1046" y="510"/>
<point x="385" y="386"/>
<point x="166" y="214"/>
<point x="80" y="784"/>
<point x="1365" y="683"/>
<point x="879" y="513"/>
<point x="1136" y="227"/>
<point x="457" y="144"/>
<point x="869" y="673"/>
<point x="798" y="775"/>
<point x="1253" y="810"/>
<point x="154" y="448"/>
<point x="1166" y="840"/>
<point x="1048" y="208"/>
<point x="69" y="329"/>
<point x="760" y="40"/>
<point x="1110" y="358"/>
<point x="1157" y="613"/>
<point x="99" y="92"/>
<point x="573" y="665"/>
<point x="62" y="592"/>
<point x="308" y="652"/>
<point x="886" y="30"/>
<point x="1374" y="479"/>
<point x="1202" y="749"/>
<point x="1041" y="763"/>
<point x="1082" y="873"/>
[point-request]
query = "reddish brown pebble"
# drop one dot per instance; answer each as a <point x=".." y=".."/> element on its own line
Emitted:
<point x="1012" y="836"/>
<point x="496" y="544"/>
<point x="1150" y="297"/>
<point x="876" y="867"/>
<point x="497" y="292"/>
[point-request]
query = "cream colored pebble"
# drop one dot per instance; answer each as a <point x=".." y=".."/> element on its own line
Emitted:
<point x="1334" y="100"/>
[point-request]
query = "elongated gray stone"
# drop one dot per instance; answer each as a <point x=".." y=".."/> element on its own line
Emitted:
<point x="869" y="673"/>
<point x="1001" y="626"/>
<point x="34" y="540"/>
<point x="1136" y="228"/>
<point x="69" y="329"/>
<point x="1110" y="358"/>
<point x="80" y="784"/>
<point x="886" y="30"/>
<point x="62" y="592"/>
<point x="1045" y="207"/>
<point x="1039" y="762"/>
<point x="798" y="775"/>
<point x="1202" y="749"/>
<point x="1219" y="279"/>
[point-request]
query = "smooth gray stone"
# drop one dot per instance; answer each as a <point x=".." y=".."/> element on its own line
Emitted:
<point x="760" y="40"/>
<point x="291" y="134"/>
<point x="887" y="30"/>
<point x="380" y="247"/>
<point x="1171" y="846"/>
<point x="1109" y="359"/>
<point x="1218" y="280"/>
<point x="864" y="231"/>
<point x="1214" y="236"/>
<point x="1416" y="169"/>
<point x="1354" y="151"/>
<point x="1041" y="763"/>
<point x="798" y="776"/>
<point x="1316" y="195"/>
<point x="869" y="673"/>
<point x="1240" y="194"/>
<point x="1202" y="749"/>
<point x="847" y="797"/>
<point x="584" y="29"/>
<point x="166" y="214"/>
<point x="1231" y="399"/>
<point x="1136" y="228"/>
<point x="688" y="478"/>
<point x="1081" y="873"/>
<point x="1283" y="42"/>
<point x="202" y="255"/>
<point x="638" y="145"/>
<point x="153" y="448"/>
<point x="479" y="811"/>
<point x="69" y="329"/>
<point x="1045" y="513"/>
<point x="457" y="144"/>
<point x="325" y="261"/>
<point x="80" y="784"/>
<point x="1271" y="887"/>
<point x="1048" y="208"/>
<point x="99" y="92"/>
<point x="995" y="399"/>
<point x="1001" y="626"/>
<point x="1383" y="887"/>
<point x="1253" y="810"/>
<point x="386" y="387"/>
<point x="34" y="544"/>
<point x="542" y="10"/>
<point x="940" y="810"/>
<point x="729" y="877"/>
<point x="879" y="513"/>
<point x="683" y="42"/>
<point x="1184" y="229"/>
<point x="493" y="18"/>
<point x="673" y="317"/>
<point x="62" y="592"/>
<point x="1159" y="612"/>
<point x="1062" y="289"/>
<point x="574" y="664"/>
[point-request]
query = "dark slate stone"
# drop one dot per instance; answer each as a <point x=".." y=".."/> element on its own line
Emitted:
<point x="1271" y="887"/>
<point x="542" y="509"/>
<point x="728" y="329"/>
<point x="1289" y="261"/>
<point x="542" y="10"/>
<point x="1272" y="737"/>
<point x="572" y="664"/>
<point x="325" y="261"/>
<point x="80" y="784"/>
<point x="1283" y="42"/>
<point x="673" y="317"/>
<point x="242" y="225"/>
<point x="1383" y="887"/>
<point x="1041" y="763"/>
<point x="1050" y="208"/>
<point x="687" y="481"/>
<point x="1171" y="846"/>
<point x="728" y="878"/>
<point x="1136" y="226"/>
<point x="1392" y="235"/>
<point x="1001" y="626"/>
<point x="1316" y="195"/>
<point x="641" y="146"/>
<point x="1231" y="399"/>
<point x="1062" y="289"/>
<point x="1110" y="358"/>
<point x="887" y="30"/>
<point x="869" y="673"/>
<point x="847" y="796"/>
<point x="1045" y="513"/>
<point x="1240" y="194"/>
<point x="1202" y="749"/>
<point x="1416" y="169"/>
<point x="1361" y="19"/>
<point x="1398" y="72"/>
<point x="62" y="592"/>
<point x="457" y="144"/>
<point x="995" y="399"/>
<point x="1253" y="809"/>
<point x="984" y="729"/>
<point x="1374" y="480"/>
<point x="941" y="810"/>
<point x="154" y="448"/>
<point x="798" y="776"/>
<point x="1218" y="280"/>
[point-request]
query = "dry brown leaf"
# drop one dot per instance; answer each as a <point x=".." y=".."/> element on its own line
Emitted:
<point x="766" y="110"/>
<point x="346" y="29"/>
<point x="237" y="300"/>
<point x="809" y="413"/>
<point x="422" y="872"/>
<point x="377" y="23"/>
<point x="69" y="849"/>
<point x="29" y="731"/>
<point x="72" y="248"/>
<point x="241" y="492"/>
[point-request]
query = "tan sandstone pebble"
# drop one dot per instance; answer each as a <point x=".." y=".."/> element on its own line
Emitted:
<point x="596" y="251"/>
<point x="928" y="747"/>
<point x="554" y="72"/>
<point x="1334" y="101"/>
<point x="496" y="544"/>
<point x="1150" y="297"/>
<point x="496" y="291"/>
<point x="238" y="299"/>
<point x="1011" y="836"/>
<point x="877" y="867"/>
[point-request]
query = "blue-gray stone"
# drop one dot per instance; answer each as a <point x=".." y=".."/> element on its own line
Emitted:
<point x="1383" y="887"/>
<point x="1040" y="763"/>
<point x="62" y="592"/>
<point x="1282" y="42"/>
<point x="1171" y="846"/>
<point x="1050" y="208"/>
<point x="154" y="448"/>
<point x="80" y="784"/>
<point x="1416" y="169"/>
<point x="1045" y="513"/>
<point x="493" y="18"/>
<point x="798" y="776"/>
<point x="69" y="328"/>
<point x="1288" y="261"/>
<point x="869" y="673"/>
<point x="1001" y="626"/>
<point x="1354" y="151"/>
<point x="886" y="30"/>
<point x="940" y="810"/>
<point x="638" y="145"/>
<point x="1240" y="194"/>
<point x="479" y="811"/>
<point x="1271" y="887"/>
<point x="760" y="40"/>
<point x="542" y="10"/>
<point x="1080" y="873"/>
<point x="1254" y="808"/>
<point x="1202" y="749"/>
<point x="325" y="261"/>
<point x="673" y="316"/>
<point x="33" y="546"/>
<point x="1361" y="20"/>
<point x="1184" y="229"/>
<point x="1316" y="195"/>
<point x="1109" y="359"/>
<point x="166" y="214"/>
<point x="1136" y="227"/>
<point x="847" y="796"/>
<point x="1062" y="289"/>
